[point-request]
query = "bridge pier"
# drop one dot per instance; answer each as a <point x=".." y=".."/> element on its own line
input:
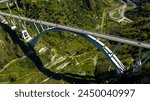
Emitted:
<point x="11" y="24"/>
<point x="2" y="20"/>
<point x="116" y="48"/>
<point x="25" y="35"/>
<point x="36" y="28"/>
<point x="141" y="61"/>
<point x="138" y="65"/>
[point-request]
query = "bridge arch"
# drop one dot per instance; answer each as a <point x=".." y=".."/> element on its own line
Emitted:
<point x="119" y="67"/>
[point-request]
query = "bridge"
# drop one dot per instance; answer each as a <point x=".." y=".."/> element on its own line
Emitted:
<point x="43" y="27"/>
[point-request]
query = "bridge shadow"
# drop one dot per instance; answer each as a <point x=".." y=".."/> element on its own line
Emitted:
<point x="68" y="77"/>
<point x="32" y="55"/>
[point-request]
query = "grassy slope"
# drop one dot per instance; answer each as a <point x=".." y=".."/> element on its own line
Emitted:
<point x="78" y="55"/>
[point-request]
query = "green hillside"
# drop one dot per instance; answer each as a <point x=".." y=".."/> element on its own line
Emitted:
<point x="67" y="58"/>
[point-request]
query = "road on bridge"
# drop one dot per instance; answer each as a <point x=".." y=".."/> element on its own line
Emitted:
<point x="82" y="31"/>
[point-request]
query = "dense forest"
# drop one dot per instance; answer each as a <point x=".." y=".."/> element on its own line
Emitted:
<point x="68" y="58"/>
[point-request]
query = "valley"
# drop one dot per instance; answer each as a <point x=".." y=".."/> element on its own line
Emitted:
<point x="64" y="58"/>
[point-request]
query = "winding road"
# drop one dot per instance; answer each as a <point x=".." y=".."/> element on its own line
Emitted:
<point x="2" y="1"/>
<point x="121" y="10"/>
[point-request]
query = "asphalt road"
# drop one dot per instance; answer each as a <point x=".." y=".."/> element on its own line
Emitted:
<point x="1" y="1"/>
<point x="82" y="31"/>
<point x="122" y="12"/>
